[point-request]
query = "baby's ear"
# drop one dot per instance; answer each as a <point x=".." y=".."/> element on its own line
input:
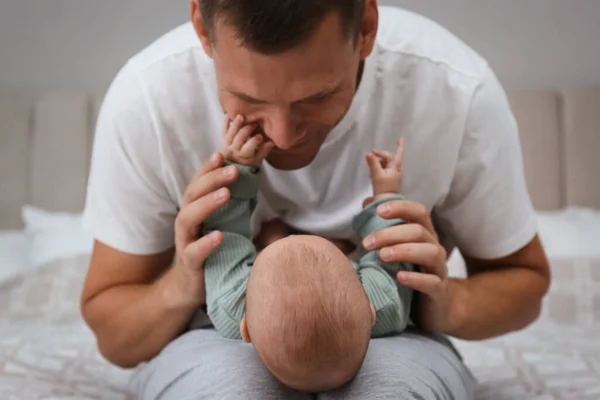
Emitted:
<point x="373" y="316"/>
<point x="244" y="331"/>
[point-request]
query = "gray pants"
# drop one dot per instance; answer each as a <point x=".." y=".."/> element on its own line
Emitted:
<point x="203" y="365"/>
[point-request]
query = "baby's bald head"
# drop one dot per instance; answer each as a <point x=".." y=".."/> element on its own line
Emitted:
<point x="307" y="313"/>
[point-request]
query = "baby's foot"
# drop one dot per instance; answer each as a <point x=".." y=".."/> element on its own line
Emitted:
<point x="386" y="171"/>
<point x="241" y="146"/>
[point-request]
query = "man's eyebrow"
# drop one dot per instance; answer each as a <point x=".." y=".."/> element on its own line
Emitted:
<point x="246" y="98"/>
<point x="322" y="94"/>
<point x="313" y="97"/>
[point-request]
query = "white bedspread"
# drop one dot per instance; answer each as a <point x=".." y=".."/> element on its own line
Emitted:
<point x="46" y="352"/>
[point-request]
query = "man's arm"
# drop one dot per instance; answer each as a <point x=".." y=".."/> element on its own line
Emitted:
<point x="136" y="305"/>
<point x="125" y="297"/>
<point x="501" y="295"/>
<point x="488" y="214"/>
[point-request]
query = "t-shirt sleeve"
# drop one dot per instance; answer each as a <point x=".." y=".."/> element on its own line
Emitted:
<point x="488" y="213"/>
<point x="128" y="206"/>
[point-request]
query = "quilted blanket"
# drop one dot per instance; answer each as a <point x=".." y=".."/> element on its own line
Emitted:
<point x="47" y="352"/>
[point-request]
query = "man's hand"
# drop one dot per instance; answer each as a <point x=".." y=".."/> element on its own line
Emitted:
<point x="205" y="194"/>
<point x="416" y="242"/>
<point x="136" y="304"/>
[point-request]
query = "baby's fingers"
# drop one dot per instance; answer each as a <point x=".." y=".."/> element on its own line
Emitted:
<point x="385" y="158"/>
<point x="226" y="124"/>
<point x="241" y="139"/>
<point x="251" y="147"/>
<point x="265" y="149"/>
<point x="374" y="164"/>
<point x="399" y="156"/>
<point x="385" y="155"/>
<point x="231" y="129"/>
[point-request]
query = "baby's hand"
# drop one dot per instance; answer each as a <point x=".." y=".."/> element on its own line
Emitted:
<point x="239" y="146"/>
<point x="386" y="171"/>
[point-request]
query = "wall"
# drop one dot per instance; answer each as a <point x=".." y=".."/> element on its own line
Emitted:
<point x="80" y="44"/>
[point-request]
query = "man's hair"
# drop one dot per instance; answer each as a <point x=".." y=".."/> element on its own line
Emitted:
<point x="273" y="26"/>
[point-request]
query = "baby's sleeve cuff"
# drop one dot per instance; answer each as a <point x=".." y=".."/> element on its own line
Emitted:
<point x="247" y="184"/>
<point x="368" y="221"/>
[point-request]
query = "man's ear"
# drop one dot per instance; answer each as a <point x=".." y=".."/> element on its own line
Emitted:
<point x="200" y="29"/>
<point x="244" y="331"/>
<point x="373" y="316"/>
<point x="368" y="29"/>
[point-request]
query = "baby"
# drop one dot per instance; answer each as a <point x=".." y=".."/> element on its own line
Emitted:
<point x="307" y="309"/>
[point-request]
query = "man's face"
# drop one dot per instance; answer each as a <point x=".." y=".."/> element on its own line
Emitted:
<point x="296" y="97"/>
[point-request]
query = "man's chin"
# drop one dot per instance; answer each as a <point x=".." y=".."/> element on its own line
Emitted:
<point x="288" y="162"/>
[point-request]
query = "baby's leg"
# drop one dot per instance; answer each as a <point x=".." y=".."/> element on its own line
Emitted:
<point x="203" y="365"/>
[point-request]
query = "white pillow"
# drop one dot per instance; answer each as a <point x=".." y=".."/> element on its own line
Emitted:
<point x="457" y="267"/>
<point x="573" y="232"/>
<point x="567" y="233"/>
<point x="54" y="235"/>
<point x="13" y="253"/>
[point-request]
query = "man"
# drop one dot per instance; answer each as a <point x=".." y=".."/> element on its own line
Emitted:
<point x="326" y="81"/>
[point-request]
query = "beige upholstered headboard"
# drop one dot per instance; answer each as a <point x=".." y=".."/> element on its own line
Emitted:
<point x="45" y="145"/>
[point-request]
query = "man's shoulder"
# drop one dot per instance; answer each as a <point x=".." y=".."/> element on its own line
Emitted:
<point x="165" y="80"/>
<point x="164" y="92"/>
<point x="171" y="67"/>
<point x="409" y="35"/>
<point x="181" y="40"/>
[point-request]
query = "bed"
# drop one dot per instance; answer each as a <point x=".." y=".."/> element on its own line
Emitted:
<point x="47" y="352"/>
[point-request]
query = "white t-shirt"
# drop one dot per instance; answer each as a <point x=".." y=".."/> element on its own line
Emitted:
<point x="161" y="120"/>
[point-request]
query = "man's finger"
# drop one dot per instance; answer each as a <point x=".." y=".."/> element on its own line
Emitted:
<point x="197" y="252"/>
<point x="191" y="217"/>
<point x="209" y="182"/>
<point x="429" y="285"/>
<point x="430" y="257"/>
<point x="407" y="210"/>
<point x="215" y="161"/>
<point x="399" y="234"/>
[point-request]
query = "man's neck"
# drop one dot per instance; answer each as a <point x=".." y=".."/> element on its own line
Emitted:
<point x="361" y="68"/>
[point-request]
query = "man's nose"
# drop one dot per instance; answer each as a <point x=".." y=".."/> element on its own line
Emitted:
<point x="280" y="127"/>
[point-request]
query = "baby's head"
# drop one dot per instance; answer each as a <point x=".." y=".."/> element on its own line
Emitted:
<point x="307" y="314"/>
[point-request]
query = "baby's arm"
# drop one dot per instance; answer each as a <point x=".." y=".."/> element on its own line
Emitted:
<point x="227" y="269"/>
<point x="391" y="300"/>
